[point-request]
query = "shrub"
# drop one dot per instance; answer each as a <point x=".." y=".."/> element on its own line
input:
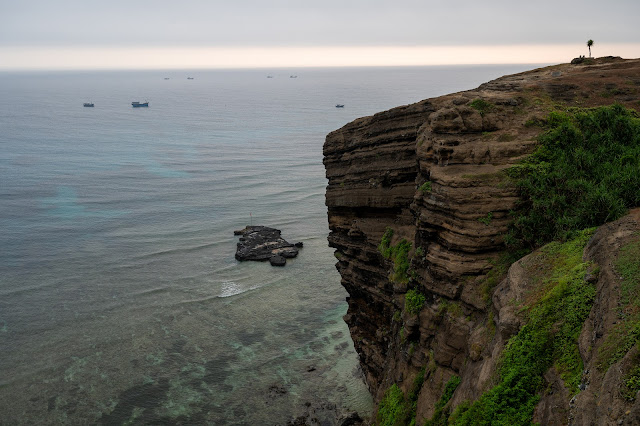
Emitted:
<point x="385" y="243"/>
<point x="584" y="173"/>
<point x="397" y="410"/>
<point x="392" y="410"/>
<point x="425" y="187"/>
<point x="413" y="302"/>
<point x="486" y="220"/>
<point x="398" y="253"/>
<point x="482" y="106"/>
<point x="400" y="258"/>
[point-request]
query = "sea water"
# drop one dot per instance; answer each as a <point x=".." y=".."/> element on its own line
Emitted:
<point x="121" y="301"/>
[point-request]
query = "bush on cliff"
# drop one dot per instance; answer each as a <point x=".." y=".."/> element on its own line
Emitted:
<point x="413" y="302"/>
<point x="393" y="409"/>
<point x="399" y="254"/>
<point x="585" y="172"/>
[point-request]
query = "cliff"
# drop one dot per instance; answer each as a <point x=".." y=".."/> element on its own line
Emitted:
<point x="419" y="204"/>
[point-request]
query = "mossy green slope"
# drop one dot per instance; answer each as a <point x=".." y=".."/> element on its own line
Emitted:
<point x="554" y="318"/>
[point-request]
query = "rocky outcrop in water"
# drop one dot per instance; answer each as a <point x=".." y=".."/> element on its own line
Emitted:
<point x="263" y="243"/>
<point x="433" y="173"/>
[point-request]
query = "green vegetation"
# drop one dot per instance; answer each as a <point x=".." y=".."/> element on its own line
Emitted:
<point x="584" y="173"/>
<point x="482" y="106"/>
<point x="486" y="220"/>
<point x="385" y="243"/>
<point x="399" y="254"/>
<point x="413" y="302"/>
<point x="631" y="381"/>
<point x="441" y="416"/>
<point x="393" y="410"/>
<point x="554" y="317"/>
<point x="425" y="187"/>
<point x="452" y="308"/>
<point x="397" y="410"/>
<point x="626" y="332"/>
<point x="499" y="272"/>
<point x="534" y="122"/>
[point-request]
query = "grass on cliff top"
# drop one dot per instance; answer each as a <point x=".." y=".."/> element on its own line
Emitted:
<point x="549" y="337"/>
<point x="585" y="172"/>
<point x="482" y="106"/>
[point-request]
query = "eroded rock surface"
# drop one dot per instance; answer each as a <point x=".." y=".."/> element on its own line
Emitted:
<point x="263" y="243"/>
<point x="433" y="172"/>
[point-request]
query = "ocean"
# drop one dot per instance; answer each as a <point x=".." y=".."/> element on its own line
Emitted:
<point x="121" y="301"/>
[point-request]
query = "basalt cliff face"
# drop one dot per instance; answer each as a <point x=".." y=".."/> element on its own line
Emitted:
<point x="432" y="172"/>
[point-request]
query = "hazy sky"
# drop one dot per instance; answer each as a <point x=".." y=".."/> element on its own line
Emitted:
<point x="201" y="33"/>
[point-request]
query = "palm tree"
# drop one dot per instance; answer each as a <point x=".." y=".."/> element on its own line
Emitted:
<point x="589" y="44"/>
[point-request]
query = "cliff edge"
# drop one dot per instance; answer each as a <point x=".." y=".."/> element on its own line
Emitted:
<point x="419" y="203"/>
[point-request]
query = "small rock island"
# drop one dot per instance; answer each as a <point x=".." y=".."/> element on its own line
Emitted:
<point x="263" y="243"/>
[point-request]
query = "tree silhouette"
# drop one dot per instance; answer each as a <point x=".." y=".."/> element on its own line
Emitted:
<point x="589" y="44"/>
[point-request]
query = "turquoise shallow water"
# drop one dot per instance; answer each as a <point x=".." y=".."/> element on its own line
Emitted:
<point x="120" y="298"/>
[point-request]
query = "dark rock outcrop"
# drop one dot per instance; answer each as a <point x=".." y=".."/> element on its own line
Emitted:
<point x="263" y="243"/>
<point x="433" y="172"/>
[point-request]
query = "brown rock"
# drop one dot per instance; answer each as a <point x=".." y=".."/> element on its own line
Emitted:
<point x="375" y="167"/>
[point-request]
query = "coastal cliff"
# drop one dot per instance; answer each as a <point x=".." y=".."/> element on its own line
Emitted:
<point x="420" y="201"/>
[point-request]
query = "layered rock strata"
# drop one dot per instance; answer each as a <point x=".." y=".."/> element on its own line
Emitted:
<point x="433" y="172"/>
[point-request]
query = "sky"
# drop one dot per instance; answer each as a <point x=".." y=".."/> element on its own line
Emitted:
<point x="112" y="34"/>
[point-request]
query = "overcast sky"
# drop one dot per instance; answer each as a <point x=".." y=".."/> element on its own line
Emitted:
<point x="31" y="28"/>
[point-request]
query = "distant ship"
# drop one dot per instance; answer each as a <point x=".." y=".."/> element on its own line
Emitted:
<point x="166" y="78"/>
<point x="189" y="78"/>
<point x="339" y="106"/>
<point x="293" y="76"/>
<point x="138" y="104"/>
<point x="88" y="104"/>
<point x="269" y="76"/>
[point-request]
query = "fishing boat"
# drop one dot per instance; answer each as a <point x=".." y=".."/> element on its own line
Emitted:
<point x="88" y="104"/>
<point x="138" y="104"/>
<point x="339" y="106"/>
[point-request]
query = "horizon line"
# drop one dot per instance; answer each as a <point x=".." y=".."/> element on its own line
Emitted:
<point x="202" y="58"/>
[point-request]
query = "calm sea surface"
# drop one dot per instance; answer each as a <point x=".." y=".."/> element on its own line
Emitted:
<point x="120" y="298"/>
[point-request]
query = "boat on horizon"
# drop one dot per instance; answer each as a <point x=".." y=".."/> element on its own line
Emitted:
<point x="88" y="104"/>
<point x="189" y="78"/>
<point x="339" y="105"/>
<point x="138" y="104"/>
